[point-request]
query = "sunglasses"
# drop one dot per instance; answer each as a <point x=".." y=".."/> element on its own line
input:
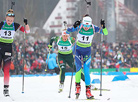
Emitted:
<point x="84" y="25"/>
<point x="10" y="14"/>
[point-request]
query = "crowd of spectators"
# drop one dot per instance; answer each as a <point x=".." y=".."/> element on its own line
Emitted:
<point x="109" y="50"/>
<point x="35" y="56"/>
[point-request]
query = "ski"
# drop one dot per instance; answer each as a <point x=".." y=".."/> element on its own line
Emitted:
<point x="93" y="99"/>
<point x="77" y="97"/>
<point x="89" y="99"/>
<point x="96" y="89"/>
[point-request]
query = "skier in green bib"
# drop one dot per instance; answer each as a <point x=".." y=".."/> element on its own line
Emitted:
<point x="7" y="31"/>
<point x="65" y="55"/>
<point x="86" y="31"/>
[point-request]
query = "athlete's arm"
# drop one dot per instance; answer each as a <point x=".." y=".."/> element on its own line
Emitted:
<point x="97" y="29"/>
<point x="105" y="31"/>
<point x="21" y="28"/>
<point x="1" y="24"/>
<point x="100" y="30"/>
<point x="72" y="29"/>
<point x="55" y="38"/>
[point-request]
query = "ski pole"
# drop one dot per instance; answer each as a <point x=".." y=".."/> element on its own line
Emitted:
<point x="101" y="66"/>
<point x="72" y="74"/>
<point x="88" y="4"/>
<point x="47" y="60"/>
<point x="23" y="62"/>
<point x="65" y="24"/>
<point x="12" y="4"/>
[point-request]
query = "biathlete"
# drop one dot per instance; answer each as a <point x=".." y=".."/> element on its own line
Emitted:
<point x="7" y="31"/>
<point x="65" y="55"/>
<point x="86" y="31"/>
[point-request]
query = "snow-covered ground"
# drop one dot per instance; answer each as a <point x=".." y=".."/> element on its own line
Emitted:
<point x="45" y="89"/>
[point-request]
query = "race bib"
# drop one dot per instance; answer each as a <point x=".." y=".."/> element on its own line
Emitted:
<point x="7" y="34"/>
<point x="84" y="39"/>
<point x="64" y="48"/>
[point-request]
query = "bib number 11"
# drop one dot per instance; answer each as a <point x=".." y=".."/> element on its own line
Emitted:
<point x="87" y="38"/>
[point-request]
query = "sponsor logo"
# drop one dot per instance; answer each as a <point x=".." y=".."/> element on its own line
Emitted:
<point x="7" y="53"/>
<point x="6" y="37"/>
<point x="83" y="42"/>
<point x="61" y="61"/>
<point x="87" y="21"/>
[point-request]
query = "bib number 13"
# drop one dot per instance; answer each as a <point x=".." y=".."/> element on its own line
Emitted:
<point x="7" y="33"/>
<point x="85" y="38"/>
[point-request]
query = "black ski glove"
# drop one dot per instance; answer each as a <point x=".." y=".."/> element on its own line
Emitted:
<point x="65" y="22"/>
<point x="25" y="21"/>
<point x="77" y="23"/>
<point x="102" y="23"/>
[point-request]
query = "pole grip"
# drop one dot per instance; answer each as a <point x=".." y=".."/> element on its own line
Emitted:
<point x="65" y="24"/>
<point x="12" y="4"/>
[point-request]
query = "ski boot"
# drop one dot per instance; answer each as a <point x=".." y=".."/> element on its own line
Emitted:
<point x="88" y="93"/>
<point x="78" y="89"/>
<point x="61" y="85"/>
<point x="6" y="90"/>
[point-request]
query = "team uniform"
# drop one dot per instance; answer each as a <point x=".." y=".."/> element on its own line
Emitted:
<point x="65" y="56"/>
<point x="83" y="50"/>
<point x="6" y="39"/>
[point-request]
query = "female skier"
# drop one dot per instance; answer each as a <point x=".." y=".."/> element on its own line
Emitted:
<point x="7" y="31"/>
<point x="86" y="31"/>
<point x="65" y="55"/>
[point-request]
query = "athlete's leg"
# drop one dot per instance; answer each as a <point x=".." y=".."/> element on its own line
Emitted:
<point x="78" y="66"/>
<point x="62" y="66"/>
<point x="6" y="68"/>
<point x="0" y="61"/>
<point x="1" y="56"/>
<point x="86" y="71"/>
<point x="87" y="61"/>
<point x="70" y="61"/>
<point x="87" y="77"/>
